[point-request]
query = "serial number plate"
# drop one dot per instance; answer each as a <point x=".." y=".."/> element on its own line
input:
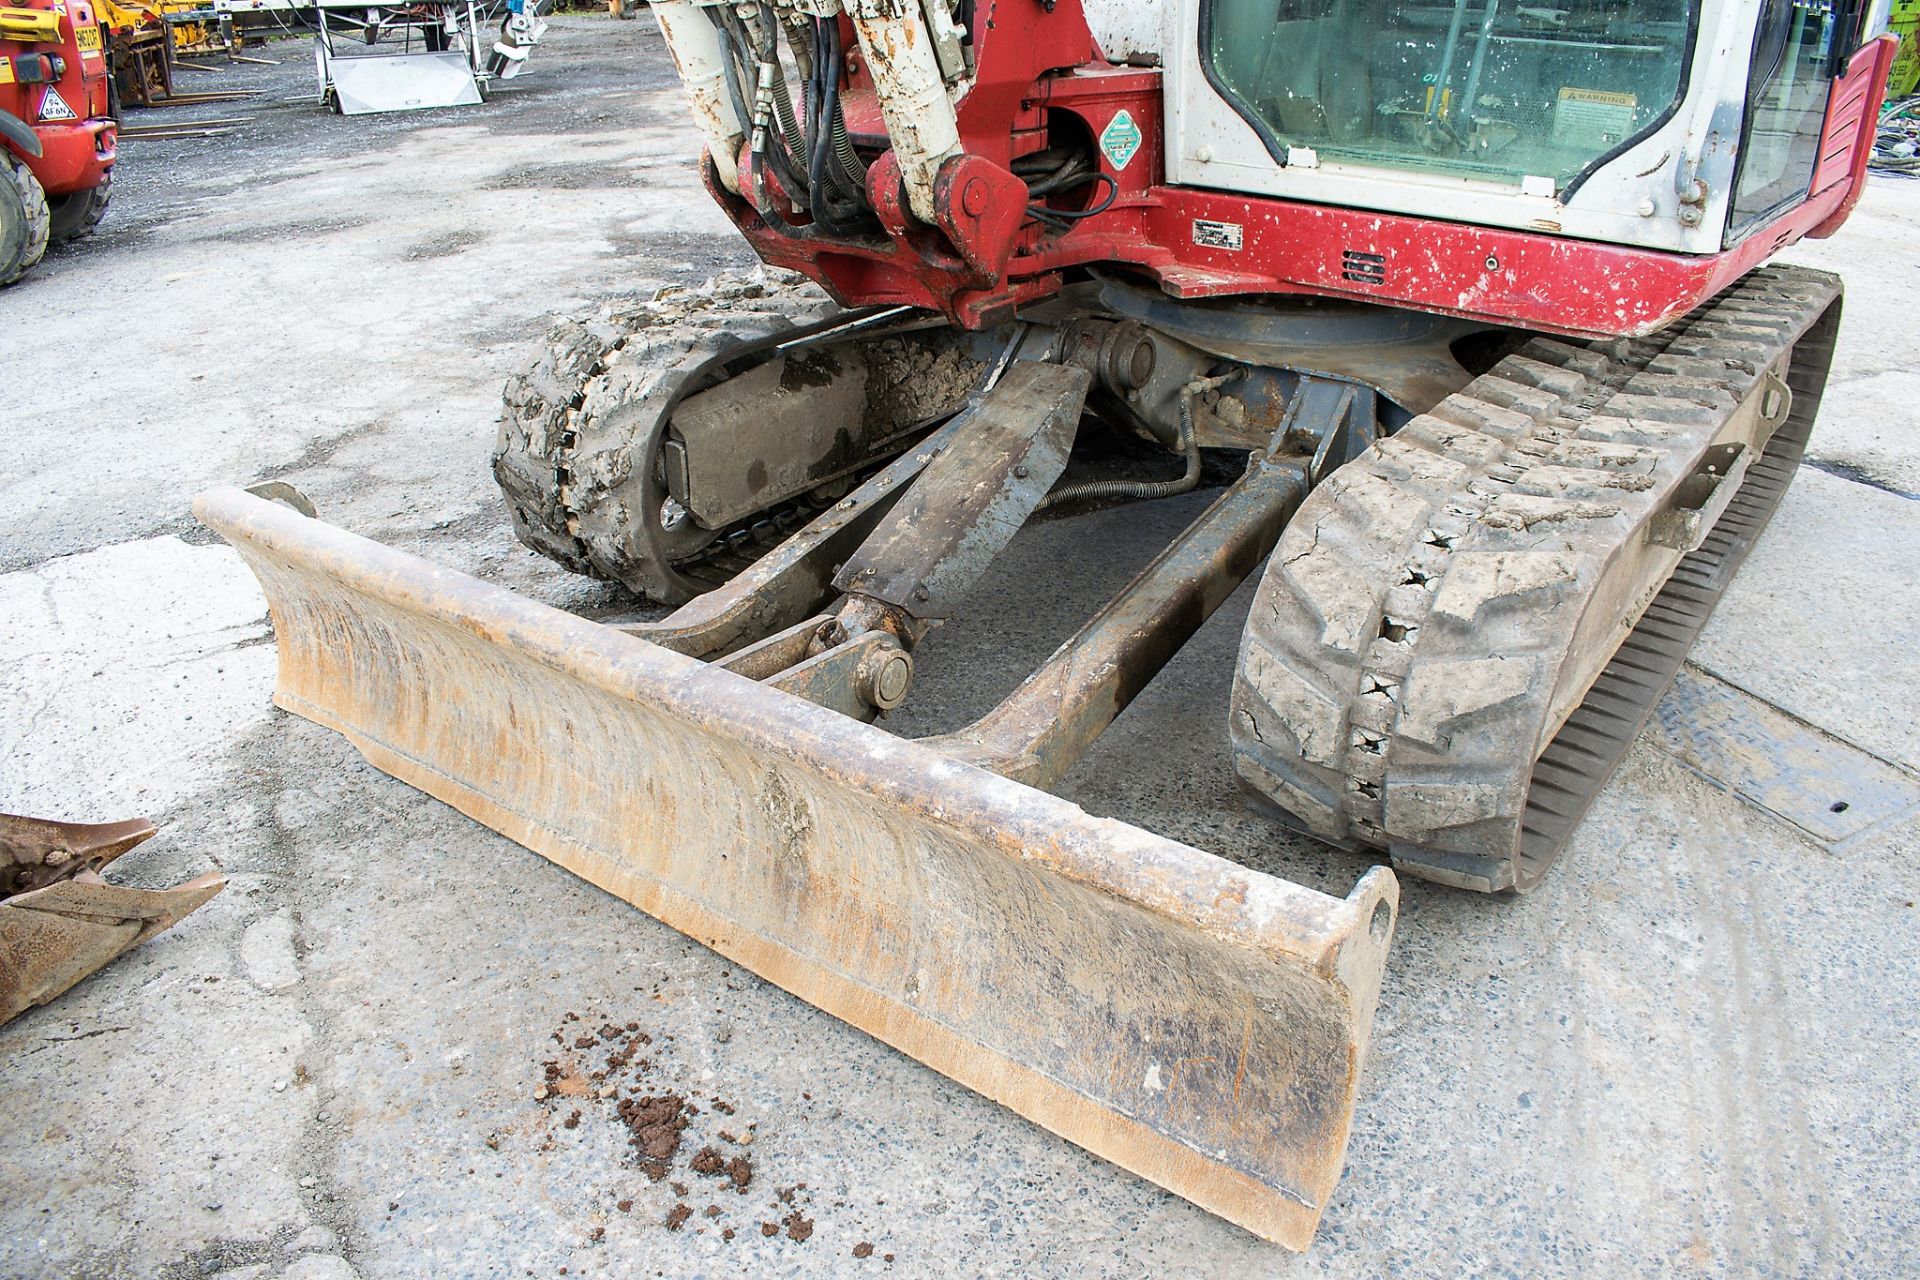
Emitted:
<point x="1217" y="235"/>
<point x="88" y="39"/>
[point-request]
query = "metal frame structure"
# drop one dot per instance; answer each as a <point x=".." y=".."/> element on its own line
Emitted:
<point x="407" y="79"/>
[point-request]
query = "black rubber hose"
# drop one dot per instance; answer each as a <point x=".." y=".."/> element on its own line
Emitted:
<point x="743" y="48"/>
<point x="848" y="175"/>
<point x="852" y="169"/>
<point x="730" y="65"/>
<point x="824" y="174"/>
<point x="1185" y="482"/>
<point x="817" y="188"/>
<point x="789" y="126"/>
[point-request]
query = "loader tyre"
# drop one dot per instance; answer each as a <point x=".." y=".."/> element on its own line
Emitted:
<point x="13" y="237"/>
<point x="77" y="215"/>
<point x="1462" y="631"/>
<point x="31" y="200"/>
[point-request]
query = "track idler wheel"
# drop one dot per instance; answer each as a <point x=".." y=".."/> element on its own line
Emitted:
<point x="578" y="451"/>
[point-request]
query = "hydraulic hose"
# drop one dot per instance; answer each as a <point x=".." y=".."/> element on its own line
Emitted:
<point x="1186" y="481"/>
<point x="767" y="51"/>
<point x="852" y="170"/>
<point x="838" y="199"/>
<point x="749" y="60"/>
<point x="820" y="188"/>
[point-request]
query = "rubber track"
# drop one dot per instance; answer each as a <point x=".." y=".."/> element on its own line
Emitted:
<point x="1396" y="670"/>
<point x="567" y="454"/>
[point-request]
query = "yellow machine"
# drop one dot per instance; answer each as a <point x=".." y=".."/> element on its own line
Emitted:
<point x="145" y="42"/>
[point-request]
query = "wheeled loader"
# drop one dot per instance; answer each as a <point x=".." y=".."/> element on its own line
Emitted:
<point x="58" y="129"/>
<point x="1473" y="295"/>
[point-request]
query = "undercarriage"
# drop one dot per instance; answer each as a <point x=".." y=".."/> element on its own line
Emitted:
<point x="1462" y="319"/>
<point x="1470" y="614"/>
<point x="1485" y="555"/>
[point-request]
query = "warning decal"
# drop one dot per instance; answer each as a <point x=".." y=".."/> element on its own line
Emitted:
<point x="1120" y="139"/>
<point x="54" y="107"/>
<point x="1590" y="117"/>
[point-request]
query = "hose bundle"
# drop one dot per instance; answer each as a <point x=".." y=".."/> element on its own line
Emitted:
<point x="1896" y="144"/>
<point x="810" y="153"/>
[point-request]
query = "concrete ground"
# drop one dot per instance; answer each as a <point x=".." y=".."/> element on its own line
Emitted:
<point x="1691" y="1052"/>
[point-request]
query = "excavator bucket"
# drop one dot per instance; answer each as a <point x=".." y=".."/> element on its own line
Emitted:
<point x="1197" y="1022"/>
<point x="60" y="921"/>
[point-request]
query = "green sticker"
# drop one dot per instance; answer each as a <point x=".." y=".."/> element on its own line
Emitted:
<point x="1120" y="139"/>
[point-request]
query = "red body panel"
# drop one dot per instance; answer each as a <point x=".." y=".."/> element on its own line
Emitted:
<point x="76" y="154"/>
<point x="1853" y="117"/>
<point x="977" y="266"/>
<point x="75" y="157"/>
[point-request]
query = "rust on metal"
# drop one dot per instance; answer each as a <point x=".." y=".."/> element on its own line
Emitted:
<point x="1047" y="724"/>
<point x="791" y="581"/>
<point x="1188" y="1018"/>
<point x="1008" y="450"/>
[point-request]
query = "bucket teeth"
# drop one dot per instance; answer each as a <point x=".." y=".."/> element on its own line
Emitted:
<point x="35" y="852"/>
<point x="59" y="921"/>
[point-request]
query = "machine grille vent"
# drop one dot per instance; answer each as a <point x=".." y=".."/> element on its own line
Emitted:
<point x="1363" y="268"/>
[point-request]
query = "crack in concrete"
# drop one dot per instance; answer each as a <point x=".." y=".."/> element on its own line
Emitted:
<point x="1859" y="475"/>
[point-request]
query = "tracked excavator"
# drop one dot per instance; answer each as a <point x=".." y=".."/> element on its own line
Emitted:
<point x="1474" y="297"/>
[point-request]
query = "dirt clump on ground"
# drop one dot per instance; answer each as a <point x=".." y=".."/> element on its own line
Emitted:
<point x="738" y="1170"/>
<point x="655" y="1124"/>
<point x="631" y="1089"/>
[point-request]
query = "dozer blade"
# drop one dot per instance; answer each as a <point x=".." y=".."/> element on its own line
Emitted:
<point x="62" y="921"/>
<point x="1195" y="1021"/>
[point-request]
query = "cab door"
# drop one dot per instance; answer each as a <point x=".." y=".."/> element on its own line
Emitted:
<point x="1800" y="48"/>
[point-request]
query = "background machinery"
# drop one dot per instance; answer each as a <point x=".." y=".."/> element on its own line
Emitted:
<point x="414" y="57"/>
<point x="57" y="128"/>
<point x="1469" y="296"/>
<point x="143" y="37"/>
